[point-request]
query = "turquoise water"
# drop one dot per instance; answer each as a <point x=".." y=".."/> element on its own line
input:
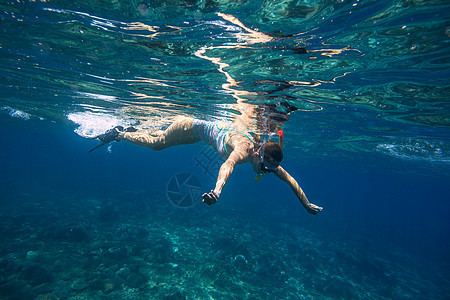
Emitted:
<point x="360" y="89"/>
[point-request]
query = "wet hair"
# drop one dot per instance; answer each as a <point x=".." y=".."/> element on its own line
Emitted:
<point x="273" y="150"/>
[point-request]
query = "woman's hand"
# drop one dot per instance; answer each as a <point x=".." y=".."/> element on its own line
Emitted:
<point x="210" y="198"/>
<point x="313" y="209"/>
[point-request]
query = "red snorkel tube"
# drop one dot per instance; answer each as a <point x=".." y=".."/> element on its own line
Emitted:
<point x="280" y="137"/>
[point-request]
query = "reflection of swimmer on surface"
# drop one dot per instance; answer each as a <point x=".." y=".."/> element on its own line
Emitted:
<point x="232" y="142"/>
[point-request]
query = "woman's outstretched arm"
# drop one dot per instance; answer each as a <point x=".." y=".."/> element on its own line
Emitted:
<point x="236" y="157"/>
<point x="283" y="175"/>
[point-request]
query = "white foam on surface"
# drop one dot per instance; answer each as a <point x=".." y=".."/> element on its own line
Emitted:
<point x="15" y="113"/>
<point x="415" y="150"/>
<point x="91" y="124"/>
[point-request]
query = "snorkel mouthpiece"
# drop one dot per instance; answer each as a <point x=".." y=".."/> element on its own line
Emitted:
<point x="260" y="176"/>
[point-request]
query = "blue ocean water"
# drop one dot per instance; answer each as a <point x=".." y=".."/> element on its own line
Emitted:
<point x="360" y="89"/>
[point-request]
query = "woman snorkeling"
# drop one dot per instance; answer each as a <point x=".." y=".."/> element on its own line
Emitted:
<point x="231" y="141"/>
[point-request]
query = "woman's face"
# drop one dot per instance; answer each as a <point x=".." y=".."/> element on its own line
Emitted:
<point x="269" y="165"/>
<point x="265" y="165"/>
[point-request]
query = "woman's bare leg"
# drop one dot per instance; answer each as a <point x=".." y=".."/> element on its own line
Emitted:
<point x="180" y="132"/>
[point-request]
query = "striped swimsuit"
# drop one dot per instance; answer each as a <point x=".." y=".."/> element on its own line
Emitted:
<point x="210" y="133"/>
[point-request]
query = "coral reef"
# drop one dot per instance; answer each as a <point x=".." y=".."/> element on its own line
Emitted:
<point x="167" y="253"/>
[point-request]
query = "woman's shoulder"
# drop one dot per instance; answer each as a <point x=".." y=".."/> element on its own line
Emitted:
<point x="238" y="142"/>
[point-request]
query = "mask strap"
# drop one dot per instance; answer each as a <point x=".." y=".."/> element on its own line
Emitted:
<point x="264" y="139"/>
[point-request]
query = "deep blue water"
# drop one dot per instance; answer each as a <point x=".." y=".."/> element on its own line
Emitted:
<point x="368" y="141"/>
